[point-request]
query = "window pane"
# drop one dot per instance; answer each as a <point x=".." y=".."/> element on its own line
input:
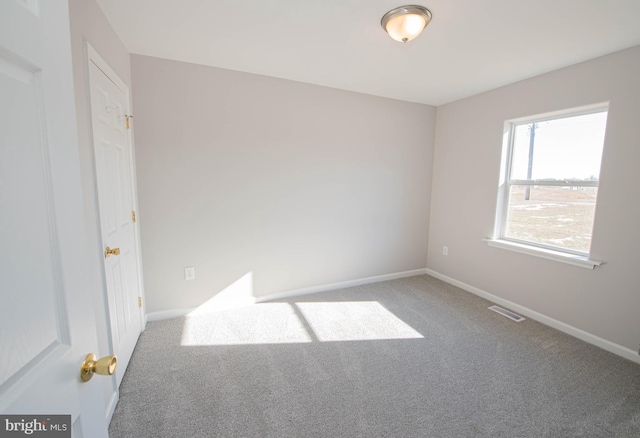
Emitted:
<point x="567" y="148"/>
<point x="554" y="216"/>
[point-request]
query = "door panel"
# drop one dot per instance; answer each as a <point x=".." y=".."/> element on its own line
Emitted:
<point x="29" y="274"/>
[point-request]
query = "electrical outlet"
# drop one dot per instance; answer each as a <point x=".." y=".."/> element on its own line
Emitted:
<point x="190" y="273"/>
<point x="445" y="250"/>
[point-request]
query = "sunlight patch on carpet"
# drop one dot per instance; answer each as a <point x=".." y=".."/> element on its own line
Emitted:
<point x="269" y="323"/>
<point x="354" y="321"/>
<point x="284" y="323"/>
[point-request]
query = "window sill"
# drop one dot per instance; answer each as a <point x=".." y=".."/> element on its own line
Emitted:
<point x="576" y="260"/>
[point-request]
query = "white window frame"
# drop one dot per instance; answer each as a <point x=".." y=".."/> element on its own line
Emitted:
<point x="499" y="239"/>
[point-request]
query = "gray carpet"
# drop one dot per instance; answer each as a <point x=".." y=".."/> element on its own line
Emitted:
<point x="414" y="357"/>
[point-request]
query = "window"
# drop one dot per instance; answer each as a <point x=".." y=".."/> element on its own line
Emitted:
<point x="552" y="170"/>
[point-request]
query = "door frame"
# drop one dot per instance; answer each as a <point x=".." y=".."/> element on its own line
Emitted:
<point x="92" y="56"/>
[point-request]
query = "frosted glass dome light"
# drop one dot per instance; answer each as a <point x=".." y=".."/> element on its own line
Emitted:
<point x="406" y="22"/>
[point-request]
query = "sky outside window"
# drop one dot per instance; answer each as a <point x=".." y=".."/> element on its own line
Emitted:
<point x="567" y="148"/>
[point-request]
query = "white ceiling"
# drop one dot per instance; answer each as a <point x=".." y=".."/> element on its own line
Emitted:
<point x="470" y="46"/>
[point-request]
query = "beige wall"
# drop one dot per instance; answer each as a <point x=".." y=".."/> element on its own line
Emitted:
<point x="295" y="184"/>
<point x="89" y="24"/>
<point x="603" y="302"/>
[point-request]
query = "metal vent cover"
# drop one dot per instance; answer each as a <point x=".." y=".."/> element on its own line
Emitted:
<point x="507" y="313"/>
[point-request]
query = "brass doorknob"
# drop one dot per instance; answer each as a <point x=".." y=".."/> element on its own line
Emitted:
<point x="109" y="251"/>
<point x="105" y="366"/>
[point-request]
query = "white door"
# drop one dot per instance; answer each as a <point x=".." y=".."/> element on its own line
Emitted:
<point x="116" y="195"/>
<point x="46" y="317"/>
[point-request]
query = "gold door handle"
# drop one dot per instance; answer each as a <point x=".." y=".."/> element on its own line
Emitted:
<point x="105" y="366"/>
<point x="109" y="251"/>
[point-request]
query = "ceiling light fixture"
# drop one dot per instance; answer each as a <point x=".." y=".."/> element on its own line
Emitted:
<point x="406" y="22"/>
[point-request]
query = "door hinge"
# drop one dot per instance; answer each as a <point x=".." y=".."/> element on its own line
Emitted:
<point x="133" y="217"/>
<point x="140" y="302"/>
<point x="126" y="121"/>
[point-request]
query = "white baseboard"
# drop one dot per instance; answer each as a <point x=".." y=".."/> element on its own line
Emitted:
<point x="176" y="313"/>
<point x="340" y="285"/>
<point x="112" y="405"/>
<point x="169" y="314"/>
<point x="612" y="347"/>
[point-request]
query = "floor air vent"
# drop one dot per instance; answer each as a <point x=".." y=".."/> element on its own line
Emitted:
<point x="508" y="314"/>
